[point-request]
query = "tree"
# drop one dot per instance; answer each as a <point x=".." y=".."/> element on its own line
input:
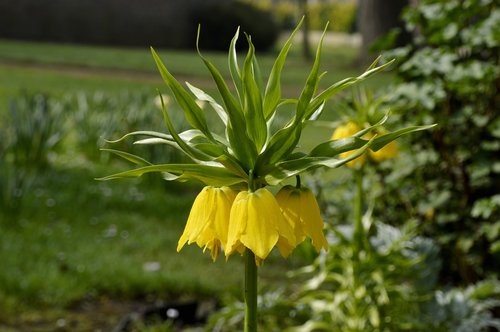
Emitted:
<point x="306" y="44"/>
<point x="376" y="18"/>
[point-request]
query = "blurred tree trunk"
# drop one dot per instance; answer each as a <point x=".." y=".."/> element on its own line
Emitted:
<point x="376" y="18"/>
<point x="306" y="44"/>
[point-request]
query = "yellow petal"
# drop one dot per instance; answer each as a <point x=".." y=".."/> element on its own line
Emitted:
<point x="288" y="199"/>
<point x="300" y="208"/>
<point x="208" y="220"/>
<point x="257" y="223"/>
<point x="196" y="219"/>
<point x="311" y="219"/>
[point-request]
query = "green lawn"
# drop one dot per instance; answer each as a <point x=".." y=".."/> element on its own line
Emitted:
<point x="58" y="69"/>
<point x="76" y="240"/>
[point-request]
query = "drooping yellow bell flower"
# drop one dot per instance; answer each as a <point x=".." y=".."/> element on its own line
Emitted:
<point x="207" y="224"/>
<point x="300" y="208"/>
<point x="347" y="130"/>
<point x="256" y="222"/>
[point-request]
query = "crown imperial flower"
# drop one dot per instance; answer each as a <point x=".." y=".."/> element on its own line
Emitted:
<point x="208" y="221"/>
<point x="300" y="209"/>
<point x="256" y="223"/>
<point x="251" y="154"/>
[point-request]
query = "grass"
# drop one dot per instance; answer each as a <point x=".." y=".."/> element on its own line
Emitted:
<point x="59" y="69"/>
<point x="75" y="240"/>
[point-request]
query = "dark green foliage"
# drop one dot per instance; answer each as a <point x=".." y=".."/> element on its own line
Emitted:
<point x="450" y="75"/>
<point x="220" y="20"/>
<point x="143" y="23"/>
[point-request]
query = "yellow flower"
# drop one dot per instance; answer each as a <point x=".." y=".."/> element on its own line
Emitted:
<point x="345" y="131"/>
<point x="256" y="223"/>
<point x="300" y="208"/>
<point x="207" y="224"/>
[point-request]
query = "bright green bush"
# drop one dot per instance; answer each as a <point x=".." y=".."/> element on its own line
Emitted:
<point x="449" y="75"/>
<point x="341" y="15"/>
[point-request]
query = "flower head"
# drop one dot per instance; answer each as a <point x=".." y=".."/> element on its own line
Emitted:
<point x="252" y="153"/>
<point x="256" y="222"/>
<point x="299" y="208"/>
<point x="207" y="224"/>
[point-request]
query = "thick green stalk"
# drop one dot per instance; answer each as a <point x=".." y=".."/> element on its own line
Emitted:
<point x="250" y="292"/>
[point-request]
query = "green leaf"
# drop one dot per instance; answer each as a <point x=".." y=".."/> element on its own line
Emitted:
<point x="335" y="147"/>
<point x="210" y="175"/>
<point x="193" y="153"/>
<point x="383" y="140"/>
<point x="252" y="105"/>
<point x="311" y="83"/>
<point x="341" y="85"/>
<point x="281" y="171"/>
<point x="282" y="143"/>
<point x="232" y="165"/>
<point x="272" y="95"/>
<point x="210" y="149"/>
<point x="128" y="156"/>
<point x="203" y="96"/>
<point x="142" y="133"/>
<point x="154" y="140"/>
<point x="233" y="64"/>
<point x="237" y="136"/>
<point x="194" y="114"/>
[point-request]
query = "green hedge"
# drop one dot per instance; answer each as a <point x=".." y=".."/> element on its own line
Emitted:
<point x="162" y="23"/>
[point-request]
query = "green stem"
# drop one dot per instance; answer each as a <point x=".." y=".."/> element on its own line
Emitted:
<point x="250" y="292"/>
<point x="359" y="232"/>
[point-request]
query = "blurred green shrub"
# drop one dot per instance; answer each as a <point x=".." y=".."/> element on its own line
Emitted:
<point x="340" y="14"/>
<point x="450" y="75"/>
<point x="220" y="20"/>
<point x="38" y="130"/>
<point x="389" y="287"/>
<point x="31" y="131"/>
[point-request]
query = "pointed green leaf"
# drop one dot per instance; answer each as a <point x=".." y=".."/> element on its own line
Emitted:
<point x="210" y="175"/>
<point x="282" y="143"/>
<point x="194" y="114"/>
<point x="210" y="149"/>
<point x="237" y="136"/>
<point x="142" y="133"/>
<point x="153" y="140"/>
<point x="252" y="106"/>
<point x="233" y="64"/>
<point x="341" y="85"/>
<point x="232" y="165"/>
<point x="273" y="89"/>
<point x="281" y="171"/>
<point x="203" y="96"/>
<point x="335" y="147"/>
<point x="383" y="140"/>
<point x="311" y="83"/>
<point x="128" y="156"/>
<point x="193" y="153"/>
